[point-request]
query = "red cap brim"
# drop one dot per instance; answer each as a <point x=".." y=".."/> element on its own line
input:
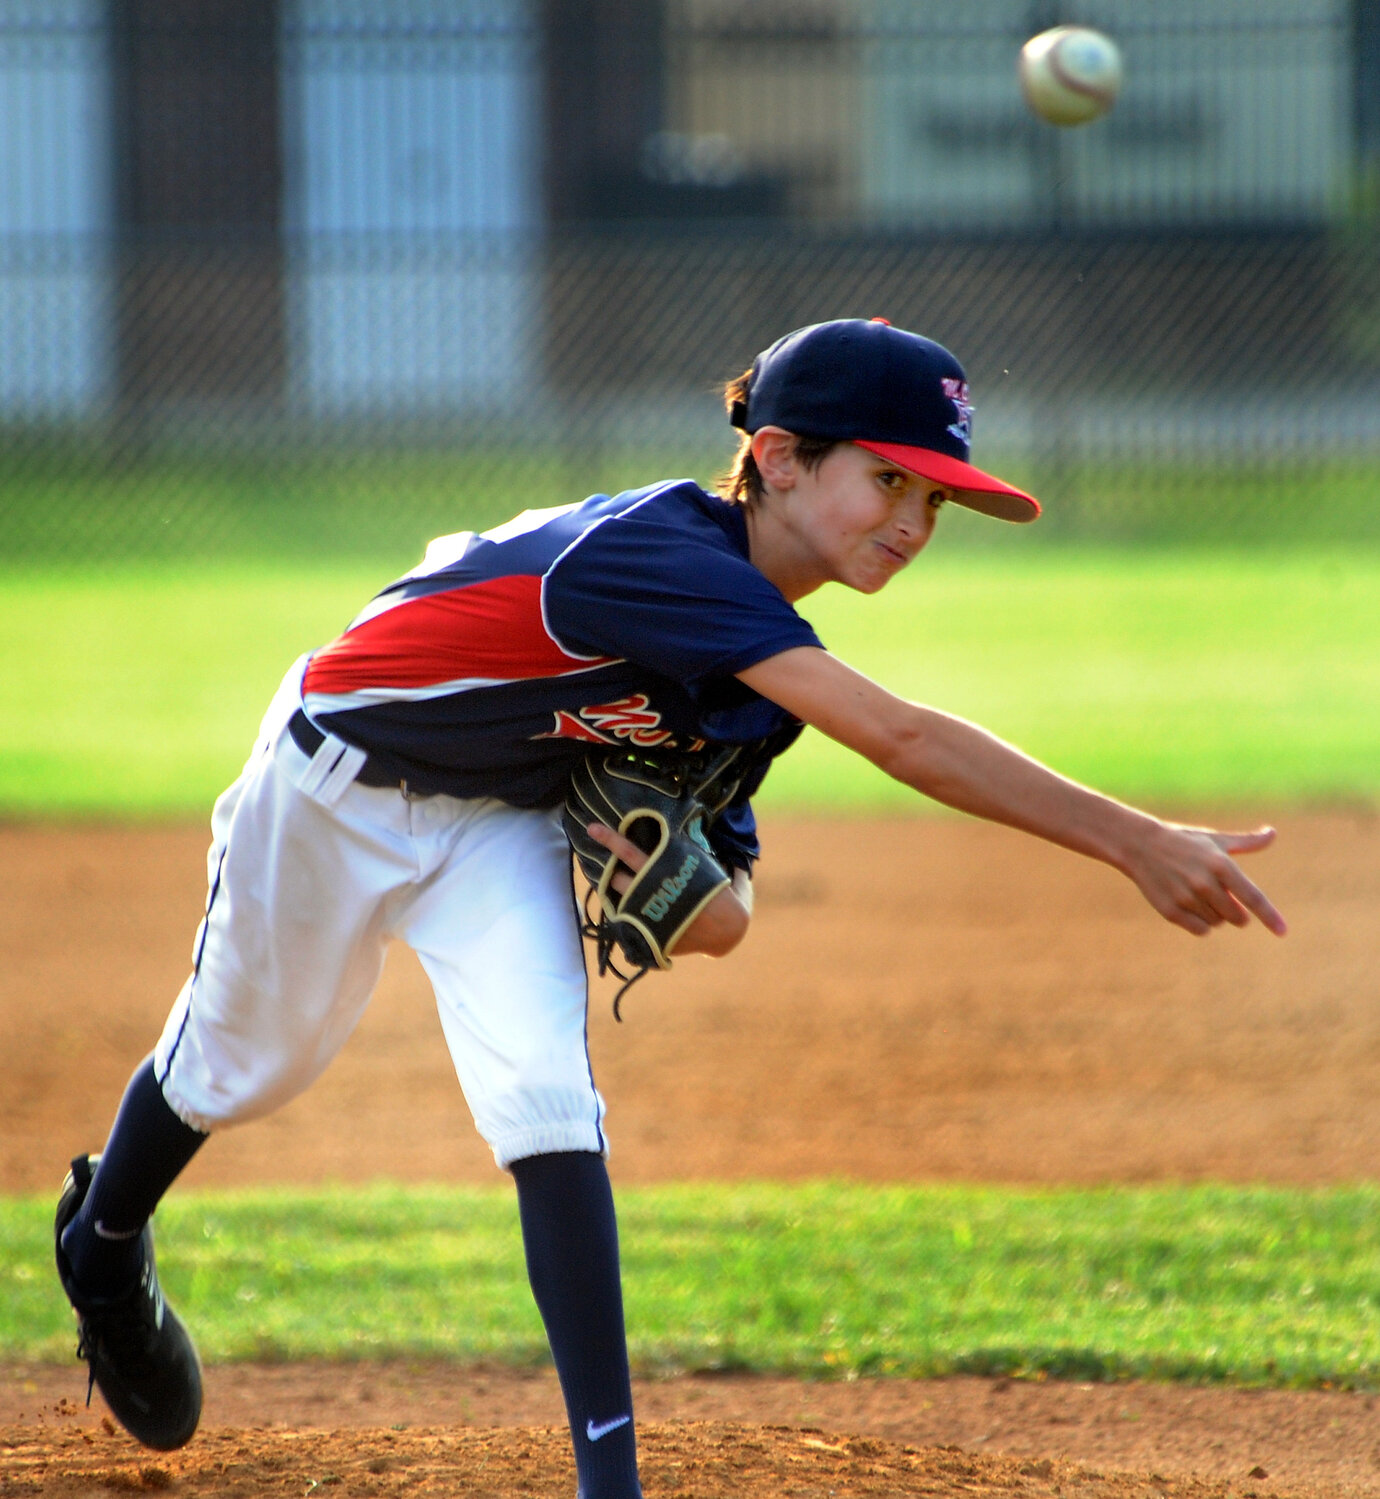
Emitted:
<point x="971" y="487"/>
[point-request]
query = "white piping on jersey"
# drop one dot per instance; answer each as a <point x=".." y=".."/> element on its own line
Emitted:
<point x="367" y="697"/>
<point x="441" y="553"/>
<point x="523" y="522"/>
<point x="589" y="531"/>
<point x="444" y="551"/>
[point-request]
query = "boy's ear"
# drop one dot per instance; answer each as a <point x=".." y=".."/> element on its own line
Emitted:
<point x="773" y="449"/>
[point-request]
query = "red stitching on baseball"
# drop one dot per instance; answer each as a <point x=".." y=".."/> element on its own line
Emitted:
<point x="1088" y="90"/>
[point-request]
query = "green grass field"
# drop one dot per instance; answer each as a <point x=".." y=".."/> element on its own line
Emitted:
<point x="60" y="502"/>
<point x="1192" y="676"/>
<point x="1245" y="1285"/>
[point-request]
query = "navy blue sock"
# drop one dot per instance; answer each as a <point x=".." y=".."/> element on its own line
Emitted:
<point x="148" y="1146"/>
<point x="571" y="1238"/>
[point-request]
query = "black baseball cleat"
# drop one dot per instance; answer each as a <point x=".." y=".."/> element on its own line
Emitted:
<point x="139" y="1352"/>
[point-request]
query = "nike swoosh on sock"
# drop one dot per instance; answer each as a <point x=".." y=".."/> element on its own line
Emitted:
<point x="113" y="1235"/>
<point x="594" y="1432"/>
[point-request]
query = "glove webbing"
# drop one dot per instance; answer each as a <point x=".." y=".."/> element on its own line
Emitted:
<point x="600" y="932"/>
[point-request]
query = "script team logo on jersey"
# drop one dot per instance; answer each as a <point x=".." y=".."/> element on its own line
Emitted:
<point x="629" y="718"/>
<point x="957" y="392"/>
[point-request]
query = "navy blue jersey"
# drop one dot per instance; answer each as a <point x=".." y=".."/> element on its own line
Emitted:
<point x="495" y="665"/>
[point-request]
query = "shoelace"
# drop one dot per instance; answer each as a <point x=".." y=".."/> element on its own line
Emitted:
<point x="120" y="1336"/>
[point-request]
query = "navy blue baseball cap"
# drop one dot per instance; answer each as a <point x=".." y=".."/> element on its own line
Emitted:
<point x="894" y="393"/>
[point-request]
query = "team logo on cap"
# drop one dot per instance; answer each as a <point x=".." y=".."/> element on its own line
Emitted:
<point x="957" y="392"/>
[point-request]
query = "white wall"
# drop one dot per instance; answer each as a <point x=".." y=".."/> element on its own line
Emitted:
<point x="411" y="200"/>
<point x="55" y="209"/>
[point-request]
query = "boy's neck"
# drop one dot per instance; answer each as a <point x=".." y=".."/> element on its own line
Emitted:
<point x="776" y="553"/>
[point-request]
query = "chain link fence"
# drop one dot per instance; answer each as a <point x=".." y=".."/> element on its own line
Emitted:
<point x="321" y="277"/>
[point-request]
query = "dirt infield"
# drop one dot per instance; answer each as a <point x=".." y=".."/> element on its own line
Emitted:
<point x="682" y="1459"/>
<point x="918" y="1000"/>
<point x="267" y="1428"/>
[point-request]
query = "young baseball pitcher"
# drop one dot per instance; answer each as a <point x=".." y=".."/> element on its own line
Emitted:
<point x="408" y="783"/>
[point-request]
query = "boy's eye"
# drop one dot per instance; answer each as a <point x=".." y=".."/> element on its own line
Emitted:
<point x="937" y="498"/>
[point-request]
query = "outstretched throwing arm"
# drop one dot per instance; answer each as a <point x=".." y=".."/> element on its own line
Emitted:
<point x="1189" y="875"/>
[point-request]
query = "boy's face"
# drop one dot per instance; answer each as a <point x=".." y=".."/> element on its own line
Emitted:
<point x="862" y="518"/>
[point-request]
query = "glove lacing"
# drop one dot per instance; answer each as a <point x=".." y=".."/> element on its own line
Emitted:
<point x="600" y="932"/>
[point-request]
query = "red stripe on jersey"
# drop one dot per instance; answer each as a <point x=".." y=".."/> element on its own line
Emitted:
<point x="492" y="629"/>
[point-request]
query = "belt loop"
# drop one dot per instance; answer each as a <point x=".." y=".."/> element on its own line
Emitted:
<point x="334" y="766"/>
<point x="323" y="761"/>
<point x="342" y="774"/>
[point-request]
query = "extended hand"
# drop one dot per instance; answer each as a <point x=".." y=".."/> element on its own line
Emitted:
<point x="723" y="923"/>
<point x="1191" y="877"/>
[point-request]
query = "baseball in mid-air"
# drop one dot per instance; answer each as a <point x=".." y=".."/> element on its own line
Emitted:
<point x="1070" y="74"/>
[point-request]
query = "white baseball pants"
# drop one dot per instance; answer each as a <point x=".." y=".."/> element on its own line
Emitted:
<point x="311" y="875"/>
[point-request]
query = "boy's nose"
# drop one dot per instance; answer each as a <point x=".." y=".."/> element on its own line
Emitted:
<point x="915" y="523"/>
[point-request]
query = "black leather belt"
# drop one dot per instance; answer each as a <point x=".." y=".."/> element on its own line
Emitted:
<point x="308" y="738"/>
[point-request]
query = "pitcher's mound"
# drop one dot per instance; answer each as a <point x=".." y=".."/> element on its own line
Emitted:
<point x="691" y="1460"/>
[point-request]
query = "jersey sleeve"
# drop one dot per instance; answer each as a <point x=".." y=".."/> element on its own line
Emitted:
<point x="733" y="836"/>
<point x="733" y="833"/>
<point x="679" y="600"/>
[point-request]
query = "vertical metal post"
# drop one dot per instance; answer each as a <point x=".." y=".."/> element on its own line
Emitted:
<point x="198" y="192"/>
<point x="1055" y="444"/>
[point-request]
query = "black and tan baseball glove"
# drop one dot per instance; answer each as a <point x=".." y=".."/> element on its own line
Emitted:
<point x="665" y="803"/>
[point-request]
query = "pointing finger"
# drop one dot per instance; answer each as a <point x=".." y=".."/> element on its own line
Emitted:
<point x="1255" y="901"/>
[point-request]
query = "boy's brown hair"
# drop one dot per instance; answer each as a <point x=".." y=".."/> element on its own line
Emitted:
<point x="742" y="484"/>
